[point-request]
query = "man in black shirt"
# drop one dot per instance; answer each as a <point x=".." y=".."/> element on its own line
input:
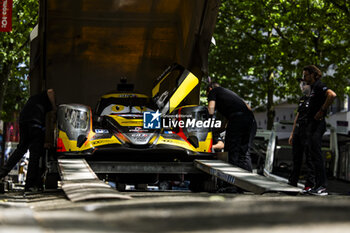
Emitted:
<point x="241" y="126"/>
<point x="321" y="97"/>
<point x="32" y="137"/>
<point x="297" y="140"/>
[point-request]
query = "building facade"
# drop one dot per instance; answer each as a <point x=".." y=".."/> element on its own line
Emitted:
<point x="339" y="116"/>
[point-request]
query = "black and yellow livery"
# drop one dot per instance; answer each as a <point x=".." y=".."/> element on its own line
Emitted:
<point x="114" y="130"/>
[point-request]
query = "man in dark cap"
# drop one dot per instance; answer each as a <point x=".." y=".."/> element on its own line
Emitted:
<point x="241" y="126"/>
<point x="321" y="97"/>
<point x="32" y="136"/>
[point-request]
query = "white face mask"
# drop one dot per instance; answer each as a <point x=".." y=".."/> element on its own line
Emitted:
<point x="305" y="89"/>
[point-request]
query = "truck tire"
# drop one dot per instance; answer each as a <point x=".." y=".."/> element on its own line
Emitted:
<point x="121" y="187"/>
<point x="203" y="183"/>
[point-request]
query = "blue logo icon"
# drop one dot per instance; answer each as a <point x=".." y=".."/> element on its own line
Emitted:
<point x="151" y="120"/>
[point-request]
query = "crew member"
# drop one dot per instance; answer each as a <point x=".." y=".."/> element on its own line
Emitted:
<point x="241" y="126"/>
<point x="32" y="137"/>
<point x="298" y="142"/>
<point x="321" y="97"/>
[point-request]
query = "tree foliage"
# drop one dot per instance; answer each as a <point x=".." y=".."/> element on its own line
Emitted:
<point x="14" y="56"/>
<point x="262" y="46"/>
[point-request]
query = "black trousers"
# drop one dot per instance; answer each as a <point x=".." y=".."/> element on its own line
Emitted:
<point x="32" y="138"/>
<point x="314" y="133"/>
<point x="300" y="149"/>
<point x="240" y="133"/>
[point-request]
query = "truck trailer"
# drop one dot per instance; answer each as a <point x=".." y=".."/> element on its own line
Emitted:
<point x="93" y="52"/>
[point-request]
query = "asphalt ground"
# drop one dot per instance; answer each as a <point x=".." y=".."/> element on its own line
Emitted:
<point x="176" y="211"/>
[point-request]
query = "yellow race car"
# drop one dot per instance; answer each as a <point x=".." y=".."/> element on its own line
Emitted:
<point x="121" y="127"/>
<point x="133" y="138"/>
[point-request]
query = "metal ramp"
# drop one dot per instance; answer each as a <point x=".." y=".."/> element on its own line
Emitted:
<point x="80" y="183"/>
<point x="243" y="179"/>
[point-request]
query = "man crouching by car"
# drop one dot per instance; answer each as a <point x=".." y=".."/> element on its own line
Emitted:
<point x="241" y="126"/>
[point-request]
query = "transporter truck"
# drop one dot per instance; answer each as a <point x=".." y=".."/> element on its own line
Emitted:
<point x="112" y="61"/>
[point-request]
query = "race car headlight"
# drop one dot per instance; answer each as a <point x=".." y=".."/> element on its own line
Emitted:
<point x="78" y="119"/>
<point x="74" y="119"/>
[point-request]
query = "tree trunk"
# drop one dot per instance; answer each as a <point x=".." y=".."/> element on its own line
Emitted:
<point x="270" y="107"/>
<point x="2" y="145"/>
<point x="4" y="77"/>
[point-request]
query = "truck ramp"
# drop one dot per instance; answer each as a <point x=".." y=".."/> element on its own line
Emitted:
<point x="243" y="179"/>
<point x="80" y="183"/>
